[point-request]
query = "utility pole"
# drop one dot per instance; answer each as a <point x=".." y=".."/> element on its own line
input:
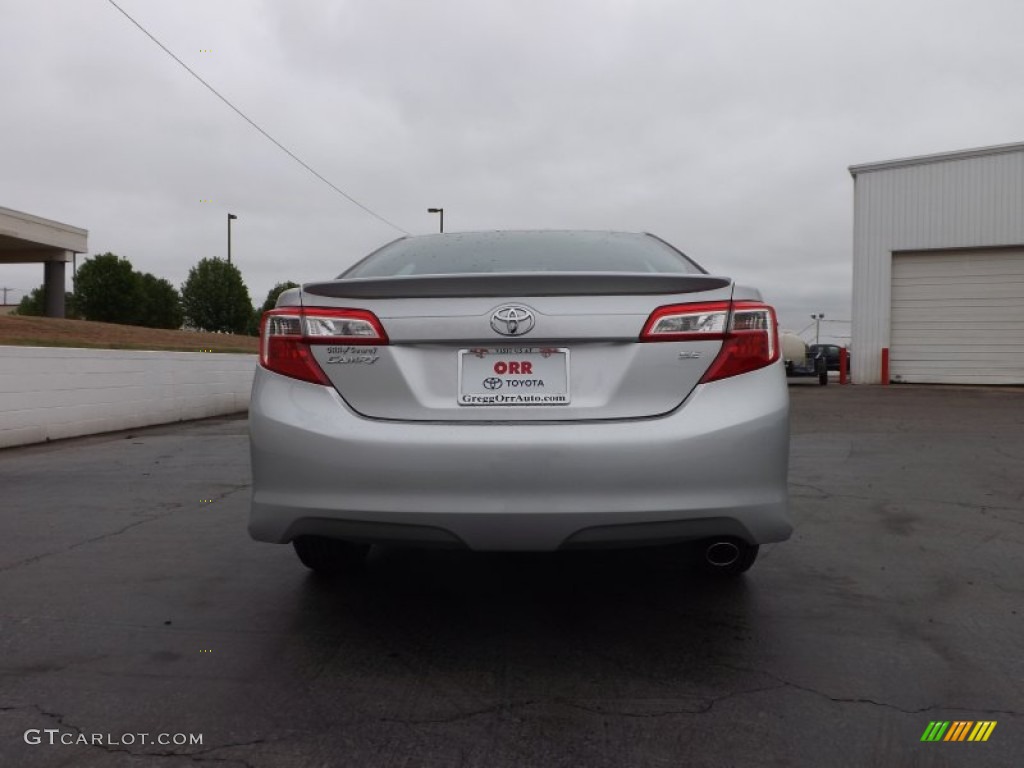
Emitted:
<point x="230" y="217"/>
<point x="817" y="318"/>
<point x="5" y="290"/>
<point x="441" y="211"/>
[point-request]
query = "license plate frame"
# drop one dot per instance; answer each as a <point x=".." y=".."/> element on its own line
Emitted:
<point x="504" y="388"/>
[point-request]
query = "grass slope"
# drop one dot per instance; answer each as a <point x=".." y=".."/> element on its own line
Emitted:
<point x="54" y="332"/>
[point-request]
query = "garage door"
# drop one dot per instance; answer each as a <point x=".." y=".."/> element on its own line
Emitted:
<point x="958" y="317"/>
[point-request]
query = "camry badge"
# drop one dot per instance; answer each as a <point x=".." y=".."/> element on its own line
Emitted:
<point x="512" y="320"/>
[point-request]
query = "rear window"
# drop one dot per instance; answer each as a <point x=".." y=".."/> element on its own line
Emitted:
<point x="485" y="252"/>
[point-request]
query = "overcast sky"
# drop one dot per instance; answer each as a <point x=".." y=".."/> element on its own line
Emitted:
<point x="725" y="127"/>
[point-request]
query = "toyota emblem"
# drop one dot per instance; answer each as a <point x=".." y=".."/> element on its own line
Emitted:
<point x="512" y="320"/>
<point x="492" y="382"/>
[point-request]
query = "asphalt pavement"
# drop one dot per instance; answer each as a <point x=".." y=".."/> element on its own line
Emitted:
<point x="133" y="602"/>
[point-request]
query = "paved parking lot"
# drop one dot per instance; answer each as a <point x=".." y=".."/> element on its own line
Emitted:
<point x="132" y="601"/>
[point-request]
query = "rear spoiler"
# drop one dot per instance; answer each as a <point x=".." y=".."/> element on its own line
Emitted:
<point x="515" y="284"/>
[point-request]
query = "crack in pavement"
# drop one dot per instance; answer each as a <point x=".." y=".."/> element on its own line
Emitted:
<point x="282" y="633"/>
<point x="702" y="704"/>
<point x="467" y="715"/>
<point x="985" y="511"/>
<point x="76" y="545"/>
<point x="939" y="502"/>
<point x="176" y="507"/>
<point x="708" y="703"/>
<point x="860" y="700"/>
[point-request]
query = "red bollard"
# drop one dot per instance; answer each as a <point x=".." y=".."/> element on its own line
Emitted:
<point x="843" y="362"/>
<point x="885" y="366"/>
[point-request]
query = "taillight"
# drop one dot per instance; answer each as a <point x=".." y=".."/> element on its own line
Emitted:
<point x="687" y="322"/>
<point x="286" y="335"/>
<point x="748" y="330"/>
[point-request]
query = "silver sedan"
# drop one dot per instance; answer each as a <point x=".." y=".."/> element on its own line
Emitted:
<point x="535" y="390"/>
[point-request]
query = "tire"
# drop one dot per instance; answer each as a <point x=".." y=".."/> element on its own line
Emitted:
<point x="330" y="557"/>
<point x="717" y="560"/>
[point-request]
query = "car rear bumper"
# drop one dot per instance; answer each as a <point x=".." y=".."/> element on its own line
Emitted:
<point x="714" y="467"/>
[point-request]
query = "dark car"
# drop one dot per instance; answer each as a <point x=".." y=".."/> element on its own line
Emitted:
<point x="831" y="353"/>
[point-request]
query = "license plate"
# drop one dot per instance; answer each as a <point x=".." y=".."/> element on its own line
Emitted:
<point x="514" y="376"/>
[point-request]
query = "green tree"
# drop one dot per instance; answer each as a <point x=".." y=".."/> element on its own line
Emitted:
<point x="161" y="303"/>
<point x="252" y="328"/>
<point x="107" y="289"/>
<point x="271" y="302"/>
<point x="276" y="291"/>
<point x="34" y="304"/>
<point x="215" y="298"/>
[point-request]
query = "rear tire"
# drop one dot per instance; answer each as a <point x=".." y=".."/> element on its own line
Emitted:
<point x="718" y="563"/>
<point x="330" y="557"/>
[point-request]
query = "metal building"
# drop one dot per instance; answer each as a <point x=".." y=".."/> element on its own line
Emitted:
<point x="938" y="268"/>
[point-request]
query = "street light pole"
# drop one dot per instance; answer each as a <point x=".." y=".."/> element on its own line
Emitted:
<point x="230" y="217"/>
<point x="441" y="211"/>
<point x="817" y="318"/>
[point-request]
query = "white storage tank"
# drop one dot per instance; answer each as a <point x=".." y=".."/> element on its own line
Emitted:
<point x="793" y="347"/>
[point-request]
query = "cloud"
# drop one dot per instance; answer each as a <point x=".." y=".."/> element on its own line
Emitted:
<point x="725" y="128"/>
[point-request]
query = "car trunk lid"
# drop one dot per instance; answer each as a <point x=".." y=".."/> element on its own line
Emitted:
<point x="459" y="348"/>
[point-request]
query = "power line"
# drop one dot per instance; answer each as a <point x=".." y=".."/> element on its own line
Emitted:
<point x="245" y="117"/>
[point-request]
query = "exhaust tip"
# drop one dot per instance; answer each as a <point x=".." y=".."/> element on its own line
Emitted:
<point x="722" y="554"/>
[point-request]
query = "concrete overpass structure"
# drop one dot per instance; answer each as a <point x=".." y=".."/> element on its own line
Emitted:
<point x="28" y="239"/>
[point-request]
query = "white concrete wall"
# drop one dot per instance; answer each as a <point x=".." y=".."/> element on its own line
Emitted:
<point x="47" y="393"/>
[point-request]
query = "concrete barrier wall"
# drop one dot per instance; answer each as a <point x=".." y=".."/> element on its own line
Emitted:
<point x="47" y="393"/>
